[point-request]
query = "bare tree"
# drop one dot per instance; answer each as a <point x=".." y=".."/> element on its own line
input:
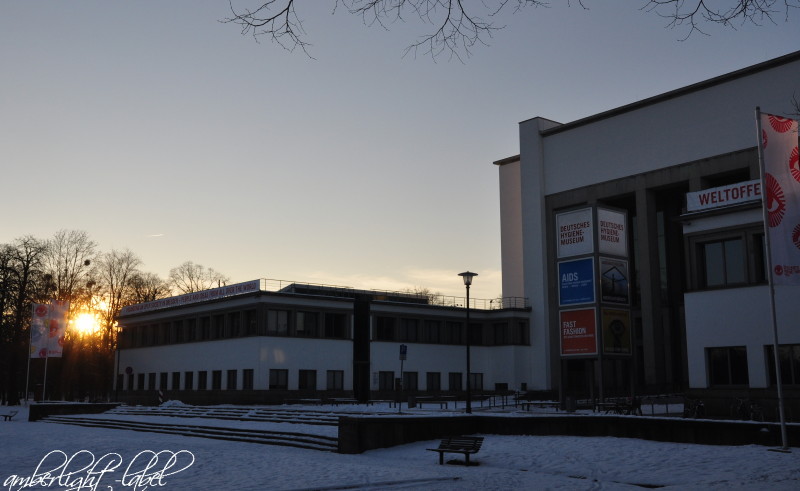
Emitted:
<point x="147" y="287"/>
<point x="115" y="271"/>
<point x="190" y="277"/>
<point x="694" y="13"/>
<point x="67" y="263"/>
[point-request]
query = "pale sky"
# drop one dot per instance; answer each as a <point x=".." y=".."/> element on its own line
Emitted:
<point x="154" y="127"/>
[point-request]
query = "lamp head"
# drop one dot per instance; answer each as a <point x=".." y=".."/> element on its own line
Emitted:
<point x="467" y="277"/>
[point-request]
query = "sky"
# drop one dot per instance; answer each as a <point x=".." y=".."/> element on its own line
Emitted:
<point x="155" y="127"/>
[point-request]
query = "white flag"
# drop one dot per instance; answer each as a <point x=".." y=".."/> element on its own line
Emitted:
<point x="779" y="139"/>
<point x="39" y="330"/>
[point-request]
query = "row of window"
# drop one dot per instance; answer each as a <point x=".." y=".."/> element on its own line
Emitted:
<point x="279" y="380"/>
<point x="237" y="324"/>
<point x="434" y="331"/>
<point x="433" y="381"/>
<point x="728" y="365"/>
<point x="325" y="325"/>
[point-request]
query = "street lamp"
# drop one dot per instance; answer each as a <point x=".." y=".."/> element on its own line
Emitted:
<point x="467" y="276"/>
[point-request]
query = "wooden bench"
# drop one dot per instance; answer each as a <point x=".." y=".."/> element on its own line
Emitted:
<point x="7" y="416"/>
<point x="458" y="444"/>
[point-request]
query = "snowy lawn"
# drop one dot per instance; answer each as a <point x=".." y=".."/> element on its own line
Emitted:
<point x="506" y="462"/>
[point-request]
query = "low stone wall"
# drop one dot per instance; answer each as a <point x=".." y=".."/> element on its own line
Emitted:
<point x="38" y="411"/>
<point x="358" y="434"/>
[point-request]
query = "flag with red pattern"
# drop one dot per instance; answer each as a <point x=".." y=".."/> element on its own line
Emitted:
<point x="779" y="145"/>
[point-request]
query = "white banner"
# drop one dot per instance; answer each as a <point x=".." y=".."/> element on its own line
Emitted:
<point x="782" y="196"/>
<point x="48" y="325"/>
<point x="39" y="332"/>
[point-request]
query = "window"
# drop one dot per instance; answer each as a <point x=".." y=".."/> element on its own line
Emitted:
<point x="278" y="323"/>
<point x="188" y="380"/>
<point x="432" y="331"/>
<point x="410" y="381"/>
<point x="433" y="381"/>
<point x="454" y="380"/>
<point x="308" y="380"/>
<point x="385" y="329"/>
<point x="789" y="359"/>
<point x="130" y="382"/>
<point x="453" y="333"/>
<point x="219" y="327"/>
<point x="151" y="381"/>
<point x="234" y="324"/>
<point x="250" y="323"/>
<point x="177" y="331"/>
<point x="278" y="379"/>
<point x="335" y="325"/>
<point x="519" y="333"/>
<point x="727" y="366"/>
<point x="306" y="325"/>
<point x="409" y="330"/>
<point x="335" y="380"/>
<point x="205" y="328"/>
<point x="476" y="381"/>
<point x="385" y="380"/>
<point x="140" y="381"/>
<point x="724" y="262"/>
<point x="231" y="380"/>
<point x="216" y="380"/>
<point x="202" y="380"/>
<point x="728" y="258"/>
<point x="176" y="380"/>
<point x="163" y="380"/>
<point x="191" y="330"/>
<point x="500" y="334"/>
<point x="475" y="334"/>
<point x="247" y="379"/>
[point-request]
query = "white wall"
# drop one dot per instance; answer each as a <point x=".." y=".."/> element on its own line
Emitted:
<point x="738" y="317"/>
<point x="690" y="127"/>
<point x="511" y="229"/>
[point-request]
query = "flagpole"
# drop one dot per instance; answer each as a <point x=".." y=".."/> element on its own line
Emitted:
<point x="28" y="374"/>
<point x="775" y="344"/>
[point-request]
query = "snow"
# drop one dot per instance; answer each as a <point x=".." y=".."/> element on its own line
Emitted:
<point x="505" y="462"/>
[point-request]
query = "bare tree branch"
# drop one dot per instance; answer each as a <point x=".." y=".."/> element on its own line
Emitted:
<point x="693" y="13"/>
<point x="456" y="30"/>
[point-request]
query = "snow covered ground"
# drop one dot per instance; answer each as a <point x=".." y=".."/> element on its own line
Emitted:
<point x="505" y="462"/>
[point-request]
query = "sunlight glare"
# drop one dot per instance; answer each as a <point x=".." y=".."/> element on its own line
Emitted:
<point x="86" y="324"/>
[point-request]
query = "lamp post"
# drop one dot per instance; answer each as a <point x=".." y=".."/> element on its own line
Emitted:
<point x="467" y="276"/>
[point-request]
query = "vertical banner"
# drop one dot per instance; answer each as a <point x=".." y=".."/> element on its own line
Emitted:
<point x="39" y="330"/>
<point x="578" y="332"/>
<point x="782" y="196"/>
<point x="59" y="313"/>
<point x="48" y="326"/>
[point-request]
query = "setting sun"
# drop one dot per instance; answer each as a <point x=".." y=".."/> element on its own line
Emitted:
<point x="86" y="324"/>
